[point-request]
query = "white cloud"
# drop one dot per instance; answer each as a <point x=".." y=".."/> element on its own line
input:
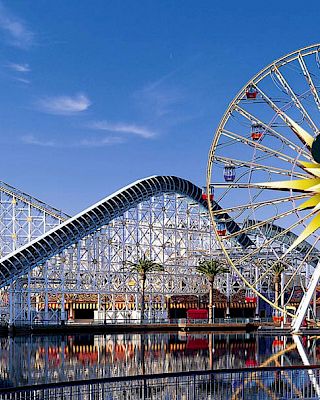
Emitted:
<point x="85" y="142"/>
<point x="121" y="127"/>
<point x="30" y="139"/>
<point x="15" y="29"/>
<point x="23" y="80"/>
<point x="19" y="67"/>
<point x="158" y="99"/>
<point x="107" y="141"/>
<point x="64" y="105"/>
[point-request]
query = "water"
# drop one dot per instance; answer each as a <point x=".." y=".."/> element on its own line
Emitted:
<point x="43" y="359"/>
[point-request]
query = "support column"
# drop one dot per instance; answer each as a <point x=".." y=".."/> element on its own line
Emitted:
<point x="256" y="313"/>
<point x="282" y="297"/>
<point x="71" y="311"/>
<point x="29" y="299"/>
<point x="228" y="296"/>
<point x="306" y="285"/>
<point x="46" y="306"/>
<point x="137" y="313"/>
<point x="163" y="305"/>
<point x="306" y="299"/>
<point x="114" y="311"/>
<point x="63" y="313"/>
<point x="11" y="316"/>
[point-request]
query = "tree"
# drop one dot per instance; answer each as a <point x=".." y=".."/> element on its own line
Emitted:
<point x="143" y="267"/>
<point x="277" y="270"/>
<point x="211" y="269"/>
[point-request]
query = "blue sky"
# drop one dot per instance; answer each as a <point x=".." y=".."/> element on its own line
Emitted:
<point x="97" y="94"/>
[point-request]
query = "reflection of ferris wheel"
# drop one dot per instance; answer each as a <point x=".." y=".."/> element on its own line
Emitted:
<point x="264" y="170"/>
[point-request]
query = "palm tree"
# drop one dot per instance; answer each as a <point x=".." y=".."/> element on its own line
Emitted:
<point x="211" y="269"/>
<point x="143" y="267"/>
<point x="277" y="270"/>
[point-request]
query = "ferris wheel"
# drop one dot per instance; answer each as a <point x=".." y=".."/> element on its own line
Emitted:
<point x="263" y="178"/>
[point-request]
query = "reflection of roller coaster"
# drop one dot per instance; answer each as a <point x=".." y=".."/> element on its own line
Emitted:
<point x="192" y="385"/>
<point x="82" y="357"/>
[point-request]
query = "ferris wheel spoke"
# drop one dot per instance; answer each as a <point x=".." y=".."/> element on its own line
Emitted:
<point x="301" y="133"/>
<point x="260" y="204"/>
<point x="312" y="168"/>
<point x="269" y="269"/>
<point x="283" y="232"/>
<point x="312" y="202"/>
<point x="281" y="292"/>
<point x="289" y="143"/>
<point x="260" y="147"/>
<point x="313" y="226"/>
<point x="295" y="99"/>
<point x="299" y="185"/>
<point x="287" y="186"/>
<point x="261" y="223"/>
<point x="250" y="164"/>
<point x="309" y="80"/>
<point x="305" y="258"/>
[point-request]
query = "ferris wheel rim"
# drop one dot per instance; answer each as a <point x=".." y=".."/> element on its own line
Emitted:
<point x="281" y="61"/>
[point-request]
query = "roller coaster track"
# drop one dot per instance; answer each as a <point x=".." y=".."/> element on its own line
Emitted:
<point x="71" y="230"/>
<point x="88" y="221"/>
<point x="270" y="230"/>
<point x="32" y="201"/>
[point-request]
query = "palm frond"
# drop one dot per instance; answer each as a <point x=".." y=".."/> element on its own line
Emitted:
<point x="144" y="266"/>
<point x="278" y="268"/>
<point x="212" y="268"/>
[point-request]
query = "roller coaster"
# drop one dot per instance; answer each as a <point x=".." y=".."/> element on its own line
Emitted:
<point x="59" y="268"/>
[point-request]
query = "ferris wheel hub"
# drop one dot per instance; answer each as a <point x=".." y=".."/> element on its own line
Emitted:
<point x="315" y="149"/>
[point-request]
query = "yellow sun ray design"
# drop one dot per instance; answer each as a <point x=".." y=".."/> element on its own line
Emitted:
<point x="303" y="135"/>
<point x="310" y="203"/>
<point x="310" y="184"/>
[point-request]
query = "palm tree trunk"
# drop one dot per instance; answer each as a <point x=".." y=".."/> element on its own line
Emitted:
<point x="276" y="289"/>
<point x="143" y="284"/>
<point x="211" y="302"/>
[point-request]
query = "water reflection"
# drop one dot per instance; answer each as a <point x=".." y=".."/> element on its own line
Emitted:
<point x="40" y="359"/>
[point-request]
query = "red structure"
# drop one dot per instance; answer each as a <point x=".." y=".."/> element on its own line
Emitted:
<point x="250" y="299"/>
<point x="197" y="313"/>
<point x="250" y="362"/>
<point x="205" y="196"/>
<point x="197" y="344"/>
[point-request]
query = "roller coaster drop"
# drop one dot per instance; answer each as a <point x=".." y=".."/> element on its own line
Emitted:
<point x="53" y="265"/>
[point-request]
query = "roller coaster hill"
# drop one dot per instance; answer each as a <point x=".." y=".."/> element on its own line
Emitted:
<point x="55" y="268"/>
